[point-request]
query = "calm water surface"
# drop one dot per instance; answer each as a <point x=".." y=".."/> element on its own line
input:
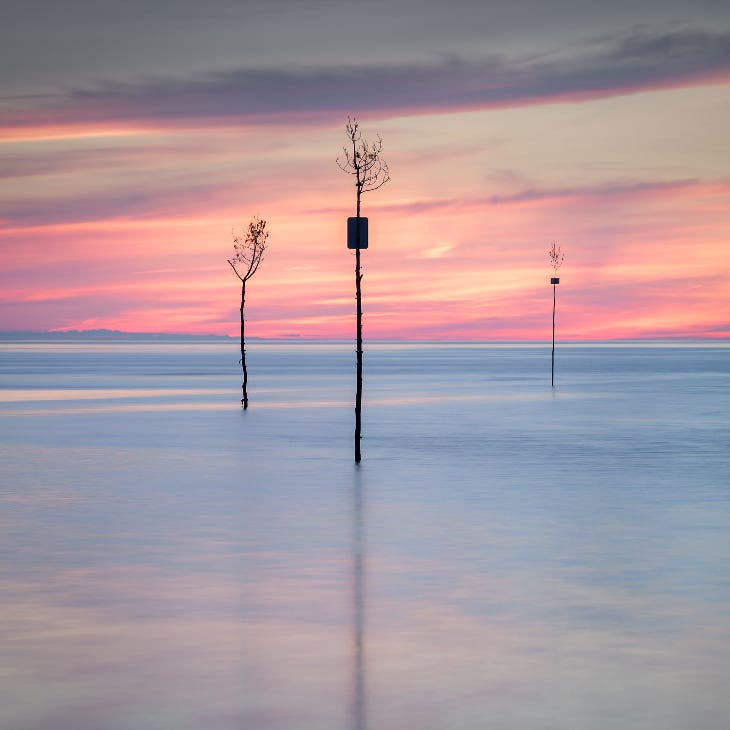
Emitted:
<point x="507" y="557"/>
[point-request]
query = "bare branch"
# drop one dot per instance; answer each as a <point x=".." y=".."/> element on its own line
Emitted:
<point x="363" y="160"/>
<point x="233" y="266"/>
<point x="556" y="257"/>
<point x="249" y="249"/>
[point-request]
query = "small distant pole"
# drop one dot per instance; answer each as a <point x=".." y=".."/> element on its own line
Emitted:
<point x="556" y="261"/>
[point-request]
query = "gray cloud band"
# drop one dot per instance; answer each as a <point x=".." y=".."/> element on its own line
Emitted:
<point x="607" y="68"/>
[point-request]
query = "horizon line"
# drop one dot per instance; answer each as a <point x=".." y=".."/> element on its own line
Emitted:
<point x="102" y="333"/>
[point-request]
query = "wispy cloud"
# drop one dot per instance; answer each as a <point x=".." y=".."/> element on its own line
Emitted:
<point x="609" y="67"/>
<point x="615" y="190"/>
<point x="109" y="204"/>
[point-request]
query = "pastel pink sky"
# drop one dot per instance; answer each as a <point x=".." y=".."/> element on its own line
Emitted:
<point x="127" y="160"/>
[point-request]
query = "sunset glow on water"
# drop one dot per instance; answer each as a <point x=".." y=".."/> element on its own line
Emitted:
<point x="506" y="552"/>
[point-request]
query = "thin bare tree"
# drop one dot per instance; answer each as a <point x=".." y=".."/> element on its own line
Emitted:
<point x="556" y="257"/>
<point x="362" y="160"/>
<point x="248" y="253"/>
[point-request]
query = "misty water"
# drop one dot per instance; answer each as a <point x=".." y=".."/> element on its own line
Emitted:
<point x="508" y="556"/>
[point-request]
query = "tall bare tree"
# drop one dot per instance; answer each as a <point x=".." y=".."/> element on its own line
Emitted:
<point x="362" y="160"/>
<point x="248" y="253"/>
<point x="556" y="257"/>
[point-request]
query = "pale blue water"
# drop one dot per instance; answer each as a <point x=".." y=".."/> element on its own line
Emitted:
<point x="506" y="557"/>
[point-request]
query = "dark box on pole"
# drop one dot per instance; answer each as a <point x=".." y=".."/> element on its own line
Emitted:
<point x="352" y="232"/>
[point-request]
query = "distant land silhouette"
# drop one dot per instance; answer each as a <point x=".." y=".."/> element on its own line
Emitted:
<point x="103" y="334"/>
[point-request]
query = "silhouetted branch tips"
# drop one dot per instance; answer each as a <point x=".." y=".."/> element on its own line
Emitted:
<point x="249" y="249"/>
<point x="362" y="159"/>
<point x="248" y="253"/>
<point x="556" y="256"/>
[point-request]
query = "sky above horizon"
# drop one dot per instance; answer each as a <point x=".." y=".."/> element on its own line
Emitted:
<point x="136" y="137"/>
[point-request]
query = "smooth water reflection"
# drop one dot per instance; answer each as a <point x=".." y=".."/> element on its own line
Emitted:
<point x="505" y="557"/>
<point x="359" y="595"/>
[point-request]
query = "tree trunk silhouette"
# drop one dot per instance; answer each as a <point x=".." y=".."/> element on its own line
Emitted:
<point x="552" y="366"/>
<point x="244" y="386"/>
<point x="358" y="296"/>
